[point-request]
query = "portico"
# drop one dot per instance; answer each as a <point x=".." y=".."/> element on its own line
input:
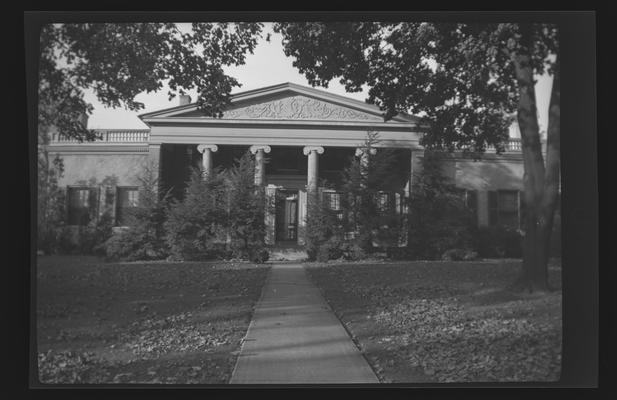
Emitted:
<point x="278" y="125"/>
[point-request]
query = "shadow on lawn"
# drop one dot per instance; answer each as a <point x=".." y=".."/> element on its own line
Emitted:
<point x="454" y="322"/>
<point x="149" y="322"/>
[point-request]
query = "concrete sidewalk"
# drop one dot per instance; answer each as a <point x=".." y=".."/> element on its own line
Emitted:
<point x="294" y="337"/>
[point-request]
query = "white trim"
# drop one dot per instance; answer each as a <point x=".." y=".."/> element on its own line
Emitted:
<point x="284" y="122"/>
<point x="281" y="88"/>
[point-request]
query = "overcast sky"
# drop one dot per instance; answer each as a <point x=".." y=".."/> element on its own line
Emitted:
<point x="267" y="66"/>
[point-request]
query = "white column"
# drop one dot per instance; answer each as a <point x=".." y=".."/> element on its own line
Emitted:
<point x="313" y="166"/>
<point x="260" y="162"/>
<point x="270" y="214"/>
<point x="206" y="150"/>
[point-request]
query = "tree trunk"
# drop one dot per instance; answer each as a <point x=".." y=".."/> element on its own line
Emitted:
<point x="540" y="190"/>
<point x="553" y="156"/>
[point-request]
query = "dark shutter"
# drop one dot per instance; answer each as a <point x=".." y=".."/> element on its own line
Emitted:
<point x="472" y="202"/>
<point x="93" y="203"/>
<point x="127" y="198"/>
<point x="493" y="208"/>
<point x="81" y="202"/>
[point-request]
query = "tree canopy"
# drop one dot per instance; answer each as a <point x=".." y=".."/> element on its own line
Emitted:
<point x="468" y="81"/>
<point x="459" y="76"/>
<point x="119" y="61"/>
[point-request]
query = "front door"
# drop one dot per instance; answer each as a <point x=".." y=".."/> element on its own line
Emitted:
<point x="287" y="215"/>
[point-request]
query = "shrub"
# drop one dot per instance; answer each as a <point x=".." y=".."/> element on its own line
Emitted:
<point x="354" y="252"/>
<point x="93" y="236"/>
<point x="459" y="255"/>
<point x="439" y="218"/>
<point x="63" y="240"/>
<point x="221" y="216"/>
<point x="144" y="239"/>
<point x="258" y="255"/>
<point x="365" y="178"/>
<point x="400" y="253"/>
<point x="245" y="211"/>
<point x="323" y="231"/>
<point x="52" y="235"/>
<point x="133" y="244"/>
<point x="498" y="242"/>
<point x="193" y="224"/>
<point x="330" y="249"/>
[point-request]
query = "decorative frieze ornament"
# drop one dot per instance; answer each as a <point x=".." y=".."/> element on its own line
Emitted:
<point x="299" y="107"/>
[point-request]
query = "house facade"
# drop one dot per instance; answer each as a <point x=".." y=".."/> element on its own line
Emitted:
<point x="301" y="139"/>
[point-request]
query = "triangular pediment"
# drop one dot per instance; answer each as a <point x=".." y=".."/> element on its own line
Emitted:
<point x="286" y="102"/>
<point x="293" y="107"/>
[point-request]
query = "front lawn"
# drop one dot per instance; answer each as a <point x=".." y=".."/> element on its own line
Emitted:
<point x="447" y="321"/>
<point x="154" y="322"/>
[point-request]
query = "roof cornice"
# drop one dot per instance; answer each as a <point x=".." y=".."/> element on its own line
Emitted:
<point x="280" y="122"/>
<point x="281" y="88"/>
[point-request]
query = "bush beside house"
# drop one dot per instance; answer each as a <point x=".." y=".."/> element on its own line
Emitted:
<point x="220" y="217"/>
<point x="193" y="224"/>
<point x="144" y="238"/>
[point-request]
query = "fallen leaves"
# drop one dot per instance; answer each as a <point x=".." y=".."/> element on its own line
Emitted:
<point x="450" y="320"/>
<point x="142" y="322"/>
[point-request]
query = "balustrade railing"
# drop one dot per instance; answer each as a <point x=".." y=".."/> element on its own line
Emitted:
<point x="111" y="136"/>
<point x="143" y="135"/>
<point x="512" y="144"/>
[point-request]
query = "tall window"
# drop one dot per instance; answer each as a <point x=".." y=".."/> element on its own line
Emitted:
<point x="127" y="200"/>
<point x="504" y="208"/>
<point x="82" y="202"/>
<point x="333" y="202"/>
<point x="385" y="202"/>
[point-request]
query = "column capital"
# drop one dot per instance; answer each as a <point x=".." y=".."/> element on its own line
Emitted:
<point x="203" y="147"/>
<point x="307" y="150"/>
<point x="361" y="150"/>
<point x="256" y="147"/>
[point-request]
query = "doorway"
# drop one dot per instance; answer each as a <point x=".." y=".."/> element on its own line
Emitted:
<point x="286" y="215"/>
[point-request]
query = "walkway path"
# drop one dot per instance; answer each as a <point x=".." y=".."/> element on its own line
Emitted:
<point x="294" y="337"/>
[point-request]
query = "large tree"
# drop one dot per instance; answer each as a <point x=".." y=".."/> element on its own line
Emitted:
<point x="120" y="60"/>
<point x="468" y="80"/>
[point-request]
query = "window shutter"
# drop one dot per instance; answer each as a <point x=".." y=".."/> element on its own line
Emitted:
<point x="71" y="206"/>
<point x="493" y="208"/>
<point x="93" y="203"/>
<point x="472" y="202"/>
<point x="64" y="196"/>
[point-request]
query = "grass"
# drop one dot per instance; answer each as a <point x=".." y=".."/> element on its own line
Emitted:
<point x="157" y="322"/>
<point x="447" y="321"/>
